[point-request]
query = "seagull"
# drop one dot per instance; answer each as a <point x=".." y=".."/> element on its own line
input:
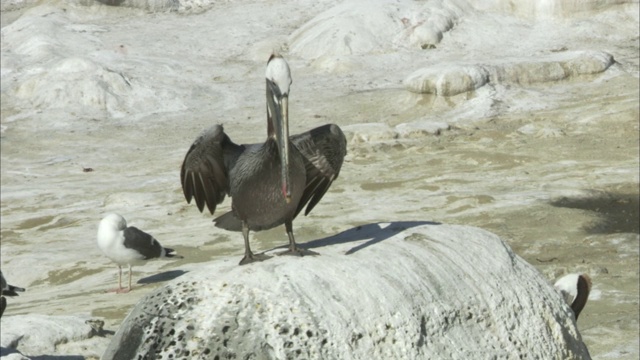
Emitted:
<point x="128" y="246"/>
<point x="7" y="290"/>
<point x="269" y="183"/>
<point x="575" y="290"/>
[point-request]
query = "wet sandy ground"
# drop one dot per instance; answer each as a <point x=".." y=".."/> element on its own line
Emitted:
<point x="560" y="185"/>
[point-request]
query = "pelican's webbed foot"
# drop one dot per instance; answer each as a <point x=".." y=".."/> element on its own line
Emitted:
<point x="249" y="258"/>
<point x="293" y="247"/>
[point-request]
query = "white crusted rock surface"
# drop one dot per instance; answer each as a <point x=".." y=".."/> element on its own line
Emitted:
<point x="449" y="80"/>
<point x="405" y="290"/>
<point x="40" y="336"/>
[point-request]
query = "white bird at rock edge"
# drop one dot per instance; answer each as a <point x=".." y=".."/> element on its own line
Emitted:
<point x="575" y="289"/>
<point x="7" y="290"/>
<point x="128" y="246"/>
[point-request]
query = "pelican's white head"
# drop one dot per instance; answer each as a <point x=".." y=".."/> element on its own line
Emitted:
<point x="278" y="83"/>
<point x="278" y="74"/>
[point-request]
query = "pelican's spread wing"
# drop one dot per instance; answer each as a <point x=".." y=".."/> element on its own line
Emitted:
<point x="324" y="149"/>
<point x="205" y="170"/>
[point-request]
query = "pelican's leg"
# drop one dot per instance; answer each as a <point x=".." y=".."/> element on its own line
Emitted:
<point x="249" y="257"/>
<point x="293" y="248"/>
<point x="292" y="240"/>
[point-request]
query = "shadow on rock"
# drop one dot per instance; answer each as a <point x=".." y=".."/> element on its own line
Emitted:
<point x="8" y="351"/>
<point x="618" y="213"/>
<point x="111" y="2"/>
<point x="164" y="276"/>
<point x="375" y="232"/>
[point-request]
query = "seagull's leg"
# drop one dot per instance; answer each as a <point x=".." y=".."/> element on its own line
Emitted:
<point x="293" y="248"/>
<point x="129" y="277"/>
<point x="120" y="289"/>
<point x="249" y="257"/>
<point x="119" y="278"/>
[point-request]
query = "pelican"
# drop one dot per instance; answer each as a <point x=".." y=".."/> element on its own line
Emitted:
<point x="269" y="183"/>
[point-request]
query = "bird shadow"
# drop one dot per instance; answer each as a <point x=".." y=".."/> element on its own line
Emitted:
<point x="8" y="351"/>
<point x="105" y="333"/>
<point x="616" y="212"/>
<point x="375" y="232"/>
<point x="163" y="276"/>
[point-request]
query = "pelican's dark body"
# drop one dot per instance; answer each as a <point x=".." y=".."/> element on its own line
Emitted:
<point x="269" y="183"/>
<point x="256" y="187"/>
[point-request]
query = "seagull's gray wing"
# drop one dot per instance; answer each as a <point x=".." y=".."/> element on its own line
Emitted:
<point x="323" y="149"/>
<point x="205" y="170"/>
<point x="142" y="242"/>
<point x="12" y="291"/>
<point x="8" y="290"/>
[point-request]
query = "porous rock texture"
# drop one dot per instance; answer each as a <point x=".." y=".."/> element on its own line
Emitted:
<point x="402" y="290"/>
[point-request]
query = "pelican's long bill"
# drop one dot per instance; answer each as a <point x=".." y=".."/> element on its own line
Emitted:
<point x="278" y="104"/>
<point x="284" y="147"/>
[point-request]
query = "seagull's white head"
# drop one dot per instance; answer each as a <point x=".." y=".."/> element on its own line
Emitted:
<point x="113" y="222"/>
<point x="575" y="289"/>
